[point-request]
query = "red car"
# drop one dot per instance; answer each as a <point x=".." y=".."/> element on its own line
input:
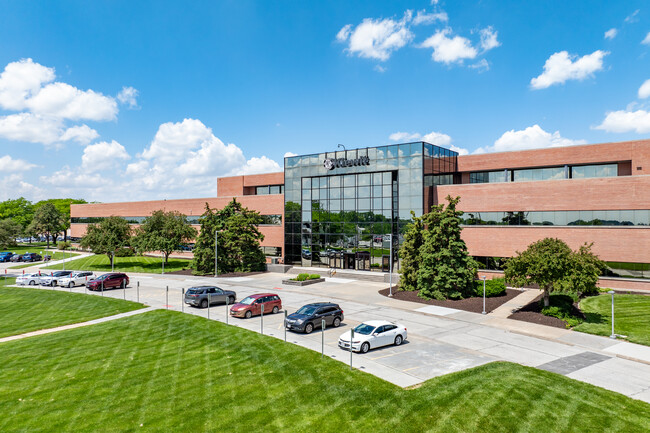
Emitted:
<point x="252" y="305"/>
<point x="109" y="281"/>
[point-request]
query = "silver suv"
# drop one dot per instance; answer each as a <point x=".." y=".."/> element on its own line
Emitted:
<point x="200" y="296"/>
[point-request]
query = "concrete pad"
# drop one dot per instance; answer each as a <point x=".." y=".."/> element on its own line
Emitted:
<point x="595" y="342"/>
<point x="519" y="355"/>
<point x="614" y="375"/>
<point x="338" y="280"/>
<point x="572" y="363"/>
<point x="467" y="341"/>
<point x="437" y="311"/>
<point x="630" y="350"/>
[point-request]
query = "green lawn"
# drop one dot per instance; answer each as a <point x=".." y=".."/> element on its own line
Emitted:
<point x="24" y="309"/>
<point x="631" y="316"/>
<point x="101" y="263"/>
<point x="166" y="371"/>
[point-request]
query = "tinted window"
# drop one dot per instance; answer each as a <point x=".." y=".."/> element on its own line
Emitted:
<point x="380" y="329"/>
<point x="307" y="310"/>
<point x="212" y="290"/>
<point x="389" y="327"/>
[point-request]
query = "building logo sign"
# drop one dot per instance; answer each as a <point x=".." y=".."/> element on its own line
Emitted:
<point x="332" y="163"/>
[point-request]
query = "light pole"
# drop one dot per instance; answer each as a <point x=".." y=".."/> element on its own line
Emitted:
<point x="484" y="295"/>
<point x="390" y="277"/>
<point x="611" y="292"/>
<point x="216" y="244"/>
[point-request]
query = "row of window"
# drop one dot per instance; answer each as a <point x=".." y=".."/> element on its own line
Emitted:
<point x="271" y="220"/>
<point x="548" y="173"/>
<point x="560" y="218"/>
<point x="269" y="189"/>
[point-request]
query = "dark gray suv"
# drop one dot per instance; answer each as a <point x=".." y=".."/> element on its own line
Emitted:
<point x="202" y="295"/>
<point x="310" y="316"/>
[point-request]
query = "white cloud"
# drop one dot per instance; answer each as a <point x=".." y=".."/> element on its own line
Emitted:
<point x="379" y="68"/>
<point x="20" y="81"/>
<point x="260" y="165"/>
<point x="376" y="39"/>
<point x="422" y="17"/>
<point x="533" y="137"/>
<point x="449" y="50"/>
<point x="481" y="66"/>
<point x="632" y="18"/>
<point x="644" y="90"/>
<point x="128" y="96"/>
<point x="103" y="156"/>
<point x="82" y="134"/>
<point x="31" y="128"/>
<point x="9" y="165"/>
<point x="436" y="138"/>
<point x="611" y="33"/>
<point x="561" y="67"/>
<point x="290" y="154"/>
<point x="14" y="185"/>
<point x="646" y="40"/>
<point x="626" y="121"/>
<point x="65" y="101"/>
<point x="489" y="39"/>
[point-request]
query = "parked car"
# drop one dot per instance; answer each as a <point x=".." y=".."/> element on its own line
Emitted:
<point x="28" y="279"/>
<point x="78" y="278"/>
<point x="111" y="280"/>
<point x="52" y="279"/>
<point x="5" y="256"/>
<point x="200" y="296"/>
<point x="309" y="317"/>
<point x="252" y="305"/>
<point x="16" y="258"/>
<point x="373" y="334"/>
<point x="31" y="257"/>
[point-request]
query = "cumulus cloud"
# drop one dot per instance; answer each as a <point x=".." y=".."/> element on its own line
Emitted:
<point x="489" y="39"/>
<point x="10" y="165"/>
<point x="644" y="90"/>
<point x="20" y="81"/>
<point x="31" y="128"/>
<point x="82" y="134"/>
<point x="611" y="33"/>
<point x="626" y="121"/>
<point x="128" y="96"/>
<point x="103" y="156"/>
<point x="257" y="165"/>
<point x="449" y="49"/>
<point x="561" y="67"/>
<point x="533" y="137"/>
<point x="14" y="185"/>
<point x="422" y="17"/>
<point x="67" y="102"/>
<point x="436" y="138"/>
<point x="376" y="39"/>
<point x="290" y="154"/>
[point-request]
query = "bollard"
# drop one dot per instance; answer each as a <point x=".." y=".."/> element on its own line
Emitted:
<point x="182" y="300"/>
<point x="262" y="321"/>
<point x="167" y="297"/>
<point x="351" y="338"/>
<point x="102" y="287"/>
<point x="285" y="326"/>
<point x="322" y="339"/>
<point x="124" y="292"/>
<point x="209" y="302"/>
<point x="86" y="286"/>
<point x="138" y="291"/>
<point x="227" y="308"/>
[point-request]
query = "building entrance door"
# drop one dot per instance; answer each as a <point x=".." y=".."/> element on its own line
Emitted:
<point x="348" y="261"/>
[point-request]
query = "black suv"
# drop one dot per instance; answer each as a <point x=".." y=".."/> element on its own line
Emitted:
<point x="310" y="316"/>
<point x="31" y="257"/>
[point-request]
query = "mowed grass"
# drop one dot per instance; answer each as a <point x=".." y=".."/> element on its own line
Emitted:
<point x="170" y="372"/>
<point x="25" y="309"/>
<point x="22" y="249"/>
<point x="631" y="316"/>
<point x="101" y="263"/>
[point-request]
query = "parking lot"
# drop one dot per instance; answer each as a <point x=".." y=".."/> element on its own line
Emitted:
<point x="436" y="345"/>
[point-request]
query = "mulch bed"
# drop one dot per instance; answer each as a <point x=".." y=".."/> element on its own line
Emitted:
<point x="228" y="275"/>
<point x="474" y="305"/>
<point x="532" y="312"/>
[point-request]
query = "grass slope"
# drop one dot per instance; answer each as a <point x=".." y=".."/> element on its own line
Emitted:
<point x="24" y="309"/>
<point x="166" y="371"/>
<point x="101" y="263"/>
<point x="631" y="316"/>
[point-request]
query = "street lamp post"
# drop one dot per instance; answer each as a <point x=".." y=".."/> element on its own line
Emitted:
<point x="390" y="269"/>
<point x="216" y="243"/>
<point x="484" y="295"/>
<point x="611" y="292"/>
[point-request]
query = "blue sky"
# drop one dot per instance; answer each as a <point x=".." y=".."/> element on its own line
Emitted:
<point x="123" y="101"/>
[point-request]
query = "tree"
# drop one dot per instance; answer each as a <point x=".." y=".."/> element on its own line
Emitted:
<point x="164" y="232"/>
<point x="446" y="269"/>
<point x="47" y="221"/>
<point x="9" y="231"/>
<point x="545" y="263"/>
<point x="107" y="236"/>
<point x="20" y="210"/>
<point x="585" y="270"/>
<point x="63" y="206"/>
<point x="410" y="253"/>
<point x="239" y="240"/>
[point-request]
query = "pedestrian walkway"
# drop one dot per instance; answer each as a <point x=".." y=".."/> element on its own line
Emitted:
<point x="76" y="325"/>
<point x="516" y="303"/>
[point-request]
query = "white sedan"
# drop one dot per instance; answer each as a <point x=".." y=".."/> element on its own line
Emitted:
<point x="78" y="278"/>
<point x="372" y="334"/>
<point x="28" y="279"/>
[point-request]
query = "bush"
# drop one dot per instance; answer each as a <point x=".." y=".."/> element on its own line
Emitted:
<point x="561" y="307"/>
<point x="63" y="245"/>
<point x="314" y="276"/>
<point x="302" y="277"/>
<point x="493" y="287"/>
<point x="125" y="252"/>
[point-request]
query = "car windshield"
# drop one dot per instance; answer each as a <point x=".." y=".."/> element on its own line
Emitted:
<point x="103" y="277"/>
<point x="61" y="273"/>
<point x="307" y="310"/>
<point x="364" y="329"/>
<point x="247" y="300"/>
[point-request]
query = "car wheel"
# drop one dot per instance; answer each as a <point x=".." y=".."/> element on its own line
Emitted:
<point x="398" y="340"/>
<point x="32" y="283"/>
<point x="248" y="314"/>
<point x="204" y="303"/>
<point x="365" y="347"/>
<point x="70" y="284"/>
<point x="231" y="300"/>
<point x="309" y="328"/>
<point x="337" y="322"/>
<point x="276" y="310"/>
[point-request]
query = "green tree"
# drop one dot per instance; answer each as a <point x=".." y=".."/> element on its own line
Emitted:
<point x="585" y="270"/>
<point x="164" y="232"/>
<point x="239" y="240"/>
<point x="9" y="231"/>
<point x="545" y="263"/>
<point x="47" y="221"/>
<point x="63" y="206"/>
<point x="410" y="254"/>
<point x="446" y="269"/>
<point x="20" y="210"/>
<point x="107" y="236"/>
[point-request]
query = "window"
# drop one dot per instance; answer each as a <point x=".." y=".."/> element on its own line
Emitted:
<point x="587" y="171"/>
